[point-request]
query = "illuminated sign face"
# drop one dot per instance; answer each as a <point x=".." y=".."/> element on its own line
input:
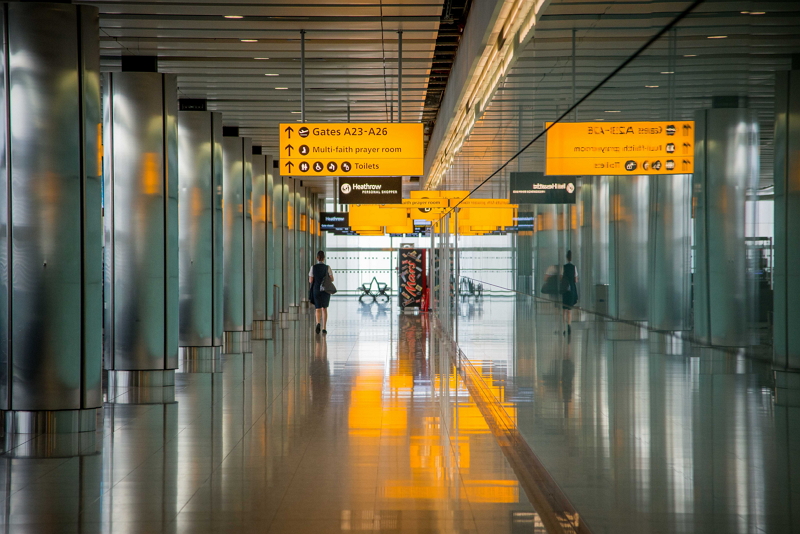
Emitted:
<point x="619" y="148"/>
<point x="534" y="188"/>
<point x="351" y="149"/>
<point x="370" y="190"/>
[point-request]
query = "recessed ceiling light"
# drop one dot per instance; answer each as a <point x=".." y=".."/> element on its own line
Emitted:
<point x="295" y="112"/>
<point x="651" y="86"/>
<point x="668" y="72"/>
<point x="613" y="111"/>
<point x="281" y="88"/>
<point x="758" y="12"/>
<point x="744" y="12"/>
<point x="717" y="36"/>
<point x="234" y="17"/>
<point x="249" y="40"/>
<point x="689" y="55"/>
<point x="271" y="74"/>
<point x="260" y="58"/>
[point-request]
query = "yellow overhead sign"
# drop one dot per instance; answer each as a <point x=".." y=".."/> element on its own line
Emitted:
<point x="619" y="148"/>
<point x="351" y="149"/>
<point x="481" y="203"/>
<point x="425" y="203"/>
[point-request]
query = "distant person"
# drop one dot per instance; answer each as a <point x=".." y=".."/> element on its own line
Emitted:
<point x="321" y="297"/>
<point x="569" y="295"/>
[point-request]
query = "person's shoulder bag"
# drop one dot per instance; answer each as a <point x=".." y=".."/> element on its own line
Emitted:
<point x="564" y="283"/>
<point x="327" y="284"/>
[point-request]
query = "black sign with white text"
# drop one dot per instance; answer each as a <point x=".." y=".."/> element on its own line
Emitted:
<point x="535" y="188"/>
<point x="330" y="221"/>
<point x="371" y="190"/>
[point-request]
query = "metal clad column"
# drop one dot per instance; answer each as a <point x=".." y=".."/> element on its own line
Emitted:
<point x="278" y="237"/>
<point x="237" y="243"/>
<point x="50" y="219"/>
<point x="547" y="260"/>
<point x="585" y="252"/>
<point x="669" y="250"/>
<point x="628" y="220"/>
<point x="269" y="236"/>
<point x="600" y="207"/>
<point x="141" y="218"/>
<point x="301" y="282"/>
<point x="262" y="166"/>
<point x="726" y="164"/>
<point x="787" y="222"/>
<point x="289" y="258"/>
<point x="200" y="233"/>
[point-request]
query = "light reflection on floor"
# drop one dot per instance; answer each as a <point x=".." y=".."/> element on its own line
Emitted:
<point x="361" y="431"/>
<point x="644" y="434"/>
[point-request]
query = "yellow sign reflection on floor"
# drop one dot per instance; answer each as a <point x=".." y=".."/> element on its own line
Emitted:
<point x="351" y="149"/>
<point x="620" y="148"/>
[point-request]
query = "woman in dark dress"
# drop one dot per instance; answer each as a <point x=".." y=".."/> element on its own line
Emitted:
<point x="570" y="296"/>
<point x="321" y="298"/>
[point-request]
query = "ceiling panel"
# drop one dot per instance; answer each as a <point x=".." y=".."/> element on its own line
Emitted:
<point x="671" y="80"/>
<point x="351" y="56"/>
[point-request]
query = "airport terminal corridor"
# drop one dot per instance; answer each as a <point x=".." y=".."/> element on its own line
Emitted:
<point x="421" y="266"/>
<point x="371" y="428"/>
<point x="360" y="430"/>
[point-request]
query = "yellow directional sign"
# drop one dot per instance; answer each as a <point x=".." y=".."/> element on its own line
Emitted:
<point x="481" y="203"/>
<point x="619" y="148"/>
<point x="425" y="203"/>
<point x="351" y="149"/>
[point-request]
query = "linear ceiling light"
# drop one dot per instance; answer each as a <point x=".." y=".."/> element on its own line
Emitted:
<point x="249" y="40"/>
<point x="234" y="17"/>
<point x="511" y="30"/>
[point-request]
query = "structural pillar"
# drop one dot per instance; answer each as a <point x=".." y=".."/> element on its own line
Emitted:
<point x="262" y="182"/>
<point x="200" y="234"/>
<point x="291" y="261"/>
<point x="141" y="226"/>
<point x="726" y="165"/>
<point x="669" y="252"/>
<point x="237" y="185"/>
<point x="278" y="243"/>
<point x="524" y="252"/>
<point x="786" y="276"/>
<point x="627" y="231"/>
<point x="50" y="220"/>
<point x="583" y="256"/>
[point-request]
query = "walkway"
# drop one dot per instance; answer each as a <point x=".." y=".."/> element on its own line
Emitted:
<point x="362" y="430"/>
<point x="644" y="434"/>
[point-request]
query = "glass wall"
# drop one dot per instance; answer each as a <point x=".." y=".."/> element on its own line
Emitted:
<point x="640" y="229"/>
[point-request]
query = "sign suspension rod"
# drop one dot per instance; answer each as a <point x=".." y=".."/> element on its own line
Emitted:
<point x="399" y="75"/>
<point x="302" y="76"/>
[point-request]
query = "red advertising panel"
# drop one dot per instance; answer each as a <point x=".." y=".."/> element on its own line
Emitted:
<point x="412" y="277"/>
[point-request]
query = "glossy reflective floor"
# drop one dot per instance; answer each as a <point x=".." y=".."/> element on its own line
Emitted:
<point x="642" y="432"/>
<point x="363" y="430"/>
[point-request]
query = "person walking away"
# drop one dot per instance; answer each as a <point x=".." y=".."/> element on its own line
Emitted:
<point x="569" y="296"/>
<point x="321" y="298"/>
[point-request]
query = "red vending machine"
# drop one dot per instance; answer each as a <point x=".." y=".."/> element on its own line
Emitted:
<point x="413" y="279"/>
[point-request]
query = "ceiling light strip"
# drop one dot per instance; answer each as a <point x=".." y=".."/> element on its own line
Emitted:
<point x="517" y="18"/>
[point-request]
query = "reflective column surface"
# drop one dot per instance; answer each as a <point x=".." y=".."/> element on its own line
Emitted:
<point x="365" y="429"/>
<point x="645" y="435"/>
